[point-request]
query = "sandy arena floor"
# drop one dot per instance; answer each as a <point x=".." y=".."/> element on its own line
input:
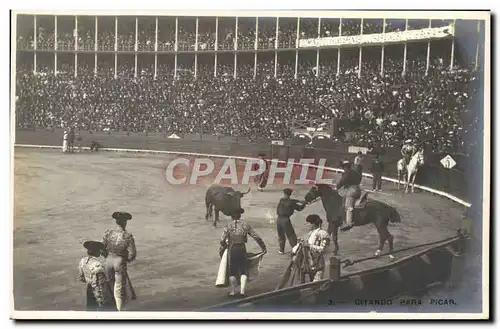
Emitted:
<point x="62" y="200"/>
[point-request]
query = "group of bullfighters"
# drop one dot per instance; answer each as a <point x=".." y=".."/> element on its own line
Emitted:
<point x="235" y="233"/>
<point x="349" y="185"/>
<point x="104" y="269"/>
<point x="234" y="238"/>
<point x="108" y="286"/>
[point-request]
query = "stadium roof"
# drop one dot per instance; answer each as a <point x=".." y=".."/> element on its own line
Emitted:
<point x="372" y="14"/>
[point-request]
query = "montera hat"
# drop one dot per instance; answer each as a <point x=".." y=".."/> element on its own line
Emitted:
<point x="288" y="191"/>
<point x="239" y="211"/>
<point x="344" y="163"/>
<point x="314" y="219"/>
<point x="93" y="245"/>
<point x="121" y="215"/>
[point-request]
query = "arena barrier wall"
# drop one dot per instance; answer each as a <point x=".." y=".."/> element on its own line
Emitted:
<point x="336" y="170"/>
<point x="390" y="285"/>
<point x="452" y="181"/>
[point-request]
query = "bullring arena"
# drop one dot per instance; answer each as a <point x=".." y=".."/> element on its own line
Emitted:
<point x="70" y="198"/>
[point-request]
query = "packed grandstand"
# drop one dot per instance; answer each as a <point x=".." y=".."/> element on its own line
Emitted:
<point x="243" y="77"/>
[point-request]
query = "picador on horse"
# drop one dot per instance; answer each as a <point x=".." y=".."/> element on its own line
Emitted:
<point x="407" y="150"/>
<point x="349" y="189"/>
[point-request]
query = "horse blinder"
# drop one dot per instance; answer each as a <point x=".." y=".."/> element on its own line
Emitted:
<point x="312" y="195"/>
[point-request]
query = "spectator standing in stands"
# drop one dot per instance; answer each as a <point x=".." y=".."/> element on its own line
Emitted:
<point x="377" y="170"/>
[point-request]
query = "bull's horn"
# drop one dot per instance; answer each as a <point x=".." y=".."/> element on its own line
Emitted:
<point x="247" y="191"/>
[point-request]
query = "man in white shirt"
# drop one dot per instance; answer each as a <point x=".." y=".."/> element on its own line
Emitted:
<point x="358" y="162"/>
<point x="65" y="146"/>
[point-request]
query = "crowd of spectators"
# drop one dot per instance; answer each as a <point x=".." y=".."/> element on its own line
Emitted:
<point x="370" y="108"/>
<point x="433" y="108"/>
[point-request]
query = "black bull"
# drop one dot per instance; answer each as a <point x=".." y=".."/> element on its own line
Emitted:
<point x="374" y="212"/>
<point x="222" y="198"/>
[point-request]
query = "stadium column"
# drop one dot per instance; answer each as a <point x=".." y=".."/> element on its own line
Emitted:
<point x="95" y="45"/>
<point x="405" y="50"/>
<point x="360" y="50"/>
<point x="296" y="48"/>
<point x="116" y="46"/>
<point x="156" y="48"/>
<point x="176" y="47"/>
<point x="34" y="43"/>
<point x="196" y="71"/>
<point x="452" y="56"/>
<point x="216" y="44"/>
<point x="75" y="35"/>
<point x="338" y="49"/>
<point x="428" y="52"/>
<point x="382" y="52"/>
<point x="235" y="47"/>
<point x="136" y="48"/>
<point x="55" y="45"/>
<point x="276" y="48"/>
<point x="256" y="47"/>
<point x="196" y="49"/>
<point x="317" y="50"/>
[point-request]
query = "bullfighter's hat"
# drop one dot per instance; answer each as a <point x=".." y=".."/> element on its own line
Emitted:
<point x="237" y="213"/>
<point x="93" y="245"/>
<point x="314" y="219"/>
<point x="121" y="215"/>
<point x="344" y="163"/>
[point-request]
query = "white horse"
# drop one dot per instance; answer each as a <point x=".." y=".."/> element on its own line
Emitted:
<point x="401" y="171"/>
<point x="416" y="161"/>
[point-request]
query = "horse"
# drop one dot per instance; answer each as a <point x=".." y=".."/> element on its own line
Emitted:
<point x="401" y="171"/>
<point x="416" y="161"/>
<point x="365" y="212"/>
